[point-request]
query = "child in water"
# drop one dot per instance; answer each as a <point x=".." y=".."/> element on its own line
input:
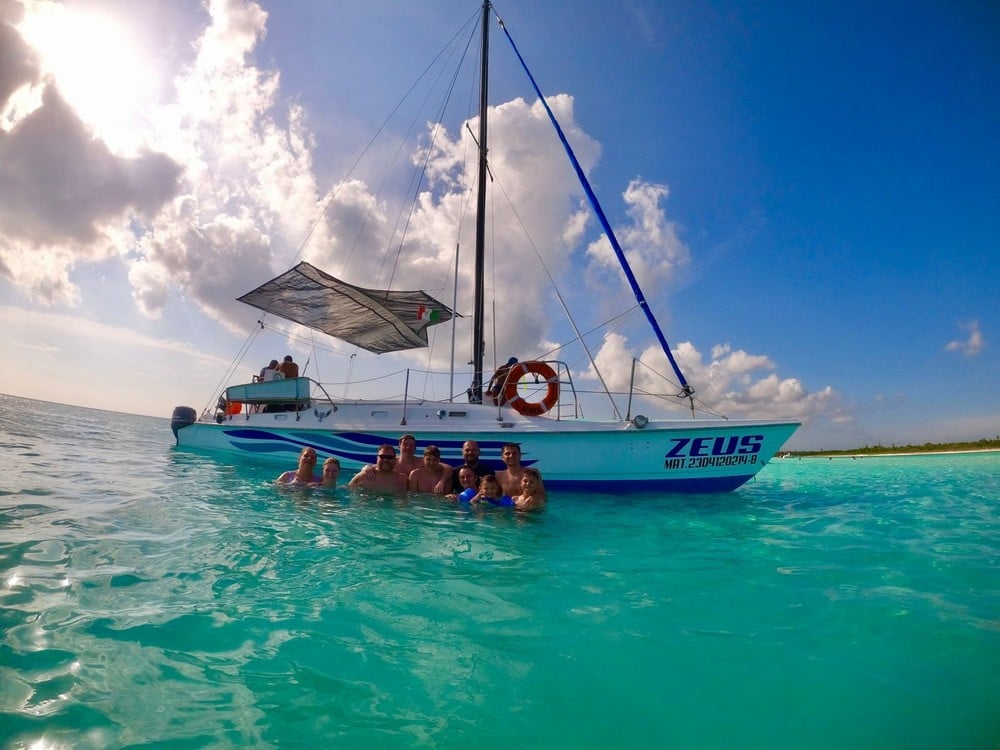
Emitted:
<point x="532" y="495"/>
<point x="490" y="492"/>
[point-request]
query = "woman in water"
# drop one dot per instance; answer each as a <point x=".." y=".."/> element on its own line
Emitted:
<point x="331" y="470"/>
<point x="467" y="481"/>
<point x="304" y="474"/>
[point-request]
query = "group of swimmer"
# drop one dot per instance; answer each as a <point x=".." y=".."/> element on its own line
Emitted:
<point x="516" y="485"/>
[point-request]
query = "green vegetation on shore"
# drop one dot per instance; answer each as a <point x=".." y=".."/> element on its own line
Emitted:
<point x="978" y="445"/>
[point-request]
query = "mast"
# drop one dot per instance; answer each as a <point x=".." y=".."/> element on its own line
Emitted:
<point x="478" y="342"/>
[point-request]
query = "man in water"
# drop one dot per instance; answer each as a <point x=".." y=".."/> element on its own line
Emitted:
<point x="470" y="455"/>
<point x="510" y="477"/>
<point x="384" y="477"/>
<point x="433" y="476"/>
<point x="408" y="461"/>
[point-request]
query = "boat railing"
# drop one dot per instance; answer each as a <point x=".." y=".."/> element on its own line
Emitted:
<point x="298" y="394"/>
<point x="286" y="395"/>
<point x="553" y="386"/>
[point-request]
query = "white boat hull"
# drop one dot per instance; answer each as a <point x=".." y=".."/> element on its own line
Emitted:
<point x="578" y="455"/>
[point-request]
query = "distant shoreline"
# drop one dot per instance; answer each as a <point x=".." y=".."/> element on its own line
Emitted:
<point x="889" y="454"/>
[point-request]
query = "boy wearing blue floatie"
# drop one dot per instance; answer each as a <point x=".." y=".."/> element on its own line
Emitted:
<point x="489" y="492"/>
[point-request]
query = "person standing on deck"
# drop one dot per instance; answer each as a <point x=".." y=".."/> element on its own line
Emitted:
<point x="495" y="388"/>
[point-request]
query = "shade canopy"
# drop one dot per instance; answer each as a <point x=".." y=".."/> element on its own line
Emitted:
<point x="374" y="319"/>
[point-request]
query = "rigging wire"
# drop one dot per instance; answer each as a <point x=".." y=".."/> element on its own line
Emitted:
<point x="472" y="21"/>
<point x="559" y="297"/>
<point x="418" y="178"/>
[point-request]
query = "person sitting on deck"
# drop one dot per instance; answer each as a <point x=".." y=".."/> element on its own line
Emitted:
<point x="495" y="388"/>
<point x="269" y="373"/>
<point x="288" y="368"/>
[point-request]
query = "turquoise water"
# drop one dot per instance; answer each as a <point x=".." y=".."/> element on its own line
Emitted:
<point x="151" y="597"/>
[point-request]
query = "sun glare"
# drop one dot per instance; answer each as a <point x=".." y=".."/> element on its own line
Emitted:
<point x="97" y="66"/>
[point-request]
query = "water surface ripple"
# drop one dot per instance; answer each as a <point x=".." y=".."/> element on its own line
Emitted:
<point x="151" y="597"/>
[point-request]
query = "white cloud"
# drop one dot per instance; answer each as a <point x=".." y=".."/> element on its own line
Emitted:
<point x="729" y="382"/>
<point x="651" y="244"/>
<point x="230" y="195"/>
<point x="64" y="196"/>
<point x="103" y="366"/>
<point x="247" y="197"/>
<point x="971" y="346"/>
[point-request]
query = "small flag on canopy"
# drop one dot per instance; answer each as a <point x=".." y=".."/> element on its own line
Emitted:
<point x="427" y="314"/>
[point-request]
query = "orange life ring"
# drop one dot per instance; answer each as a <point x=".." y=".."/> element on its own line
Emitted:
<point x="234" y="407"/>
<point x="531" y="408"/>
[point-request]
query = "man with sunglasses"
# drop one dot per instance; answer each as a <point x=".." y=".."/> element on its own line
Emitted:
<point x="385" y="477"/>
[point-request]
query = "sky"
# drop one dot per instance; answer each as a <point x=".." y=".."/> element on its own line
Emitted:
<point x="809" y="195"/>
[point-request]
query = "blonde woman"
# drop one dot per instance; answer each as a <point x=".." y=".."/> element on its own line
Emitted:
<point x="331" y="471"/>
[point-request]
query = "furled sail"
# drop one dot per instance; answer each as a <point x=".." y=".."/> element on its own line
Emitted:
<point x="374" y="319"/>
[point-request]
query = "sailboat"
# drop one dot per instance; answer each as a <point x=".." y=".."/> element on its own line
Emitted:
<point x="532" y="403"/>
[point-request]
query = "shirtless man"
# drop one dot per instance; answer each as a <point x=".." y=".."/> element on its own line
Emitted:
<point x="510" y="478"/>
<point x="408" y="460"/>
<point x="433" y="475"/>
<point x="384" y="477"/>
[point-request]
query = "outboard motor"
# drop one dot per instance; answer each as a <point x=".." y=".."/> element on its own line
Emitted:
<point x="182" y="417"/>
